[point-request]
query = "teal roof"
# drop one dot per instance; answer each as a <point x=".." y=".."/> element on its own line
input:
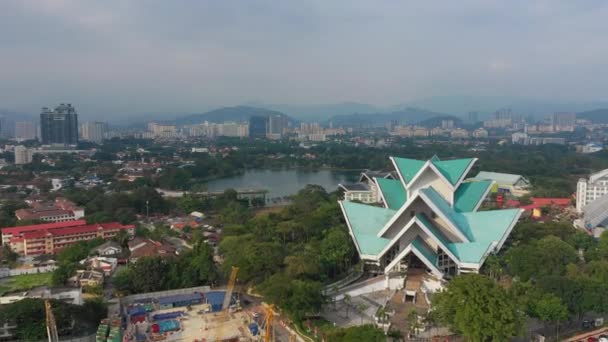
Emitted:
<point x="393" y="192"/>
<point x="424" y="250"/>
<point x="486" y="227"/>
<point x="481" y="228"/>
<point x="365" y="222"/>
<point x="469" y="194"/>
<point x="454" y="169"/>
<point x="444" y="207"/>
<point x="408" y="168"/>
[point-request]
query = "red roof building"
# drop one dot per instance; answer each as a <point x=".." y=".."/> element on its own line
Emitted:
<point x="61" y="210"/>
<point x="49" y="238"/>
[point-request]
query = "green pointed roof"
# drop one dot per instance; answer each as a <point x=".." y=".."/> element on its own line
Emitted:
<point x="408" y="168"/>
<point x="365" y="223"/>
<point x="454" y="169"/>
<point x="424" y="250"/>
<point x="486" y="227"/>
<point x="469" y="194"/>
<point x="482" y="228"/>
<point x="393" y="192"/>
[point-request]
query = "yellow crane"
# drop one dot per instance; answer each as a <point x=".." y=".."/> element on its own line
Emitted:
<point x="51" y="325"/>
<point x="223" y="315"/>
<point x="230" y="288"/>
<point x="269" y="313"/>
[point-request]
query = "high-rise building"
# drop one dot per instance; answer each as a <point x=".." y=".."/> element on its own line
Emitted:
<point x="258" y="126"/>
<point x="93" y="131"/>
<point x="276" y="124"/>
<point x="25" y="130"/>
<point x="447" y="124"/>
<point x="473" y="117"/>
<point x="7" y="128"/>
<point x="563" y="122"/>
<point x="23" y="155"/>
<point x="60" y="125"/>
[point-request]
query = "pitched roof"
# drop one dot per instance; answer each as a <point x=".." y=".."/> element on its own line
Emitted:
<point x="365" y="222"/>
<point x="596" y="212"/>
<point x="408" y="168"/>
<point x="393" y="192"/>
<point x="481" y="228"/>
<point x="498" y="177"/>
<point x="454" y="169"/>
<point x="469" y="194"/>
<point x="43" y="226"/>
<point x="486" y="228"/>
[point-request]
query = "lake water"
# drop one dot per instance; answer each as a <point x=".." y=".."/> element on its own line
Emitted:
<point x="281" y="183"/>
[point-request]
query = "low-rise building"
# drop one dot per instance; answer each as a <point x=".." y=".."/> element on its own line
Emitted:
<point x="516" y="185"/>
<point x="366" y="189"/>
<point x="141" y="247"/>
<point x="87" y="278"/>
<point x="109" y="248"/>
<point x="106" y="265"/>
<point x="49" y="238"/>
<point x="61" y="210"/>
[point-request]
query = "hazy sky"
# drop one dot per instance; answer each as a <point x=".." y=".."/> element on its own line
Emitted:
<point x="169" y="55"/>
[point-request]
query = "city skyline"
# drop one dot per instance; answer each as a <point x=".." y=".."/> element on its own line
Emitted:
<point x="112" y="58"/>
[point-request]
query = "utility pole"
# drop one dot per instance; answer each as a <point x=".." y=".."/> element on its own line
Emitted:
<point x="147" y="211"/>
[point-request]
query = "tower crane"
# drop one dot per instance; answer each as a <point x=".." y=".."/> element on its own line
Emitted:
<point x="223" y="315"/>
<point x="269" y="313"/>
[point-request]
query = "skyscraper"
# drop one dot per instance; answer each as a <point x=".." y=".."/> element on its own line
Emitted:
<point x="25" y="130"/>
<point x="93" y="131"/>
<point x="60" y="125"/>
<point x="258" y="126"/>
<point x="473" y="117"/>
<point x="276" y="124"/>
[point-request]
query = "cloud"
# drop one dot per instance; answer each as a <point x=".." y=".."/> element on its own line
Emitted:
<point x="113" y="57"/>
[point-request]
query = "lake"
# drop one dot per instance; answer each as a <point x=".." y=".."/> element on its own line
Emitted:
<point x="281" y="183"/>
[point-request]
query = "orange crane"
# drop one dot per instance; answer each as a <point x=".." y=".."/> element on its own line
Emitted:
<point x="51" y="325"/>
<point x="269" y="313"/>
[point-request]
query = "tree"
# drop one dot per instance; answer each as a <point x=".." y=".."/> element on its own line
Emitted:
<point x="549" y="308"/>
<point x="602" y="246"/>
<point x="413" y="323"/>
<point x="368" y="333"/>
<point x="478" y="308"/>
<point x="62" y="273"/>
<point x="346" y="300"/>
<point x="547" y="256"/>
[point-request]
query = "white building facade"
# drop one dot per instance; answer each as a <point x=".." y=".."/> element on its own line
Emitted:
<point x="588" y="190"/>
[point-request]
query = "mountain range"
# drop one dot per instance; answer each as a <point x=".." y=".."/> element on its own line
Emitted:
<point x="236" y="114"/>
<point x="407" y="115"/>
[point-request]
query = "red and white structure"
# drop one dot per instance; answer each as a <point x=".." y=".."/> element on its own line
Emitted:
<point x="49" y="238"/>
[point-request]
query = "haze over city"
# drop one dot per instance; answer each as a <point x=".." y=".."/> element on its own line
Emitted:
<point x="117" y="58"/>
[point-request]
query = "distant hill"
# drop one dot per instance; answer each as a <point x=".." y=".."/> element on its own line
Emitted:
<point x="595" y="116"/>
<point x="407" y="115"/>
<point x="320" y="112"/>
<point x="237" y="114"/>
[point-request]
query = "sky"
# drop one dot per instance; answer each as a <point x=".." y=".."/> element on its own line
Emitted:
<point x="115" y="57"/>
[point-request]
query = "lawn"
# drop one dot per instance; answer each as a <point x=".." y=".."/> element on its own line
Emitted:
<point x="25" y="282"/>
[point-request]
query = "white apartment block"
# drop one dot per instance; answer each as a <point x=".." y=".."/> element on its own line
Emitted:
<point x="589" y="190"/>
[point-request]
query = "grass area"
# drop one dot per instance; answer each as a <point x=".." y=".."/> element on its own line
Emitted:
<point x="25" y="282"/>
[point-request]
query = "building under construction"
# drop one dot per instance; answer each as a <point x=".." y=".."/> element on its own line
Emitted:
<point x="193" y="314"/>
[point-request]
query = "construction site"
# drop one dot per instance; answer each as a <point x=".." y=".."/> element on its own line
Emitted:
<point x="198" y="314"/>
